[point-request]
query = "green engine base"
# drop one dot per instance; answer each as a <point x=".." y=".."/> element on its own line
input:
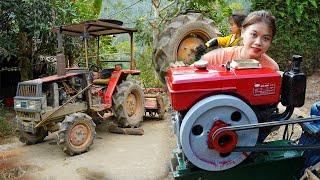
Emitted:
<point x="260" y="165"/>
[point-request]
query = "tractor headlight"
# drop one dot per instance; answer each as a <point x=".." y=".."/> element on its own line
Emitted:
<point x="17" y="103"/>
<point x="34" y="105"/>
<point x="27" y="104"/>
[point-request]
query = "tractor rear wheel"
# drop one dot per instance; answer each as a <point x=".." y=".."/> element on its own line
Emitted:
<point x="179" y="39"/>
<point x="128" y="104"/>
<point x="76" y="134"/>
<point x="28" y="137"/>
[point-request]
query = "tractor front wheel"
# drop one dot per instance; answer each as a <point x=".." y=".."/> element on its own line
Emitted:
<point x="28" y="137"/>
<point x="128" y="105"/>
<point x="76" y="134"/>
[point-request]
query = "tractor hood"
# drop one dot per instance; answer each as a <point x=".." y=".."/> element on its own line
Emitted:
<point x="188" y="85"/>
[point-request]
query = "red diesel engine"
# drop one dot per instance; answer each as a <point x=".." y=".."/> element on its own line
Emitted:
<point x="206" y="98"/>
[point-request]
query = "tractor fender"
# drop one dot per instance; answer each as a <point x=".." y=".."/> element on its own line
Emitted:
<point x="116" y="78"/>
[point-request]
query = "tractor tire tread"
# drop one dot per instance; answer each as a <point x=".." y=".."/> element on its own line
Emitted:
<point x="63" y="133"/>
<point x="121" y="116"/>
<point x="171" y="37"/>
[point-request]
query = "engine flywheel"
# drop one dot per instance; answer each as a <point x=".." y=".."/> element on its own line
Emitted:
<point x="206" y="116"/>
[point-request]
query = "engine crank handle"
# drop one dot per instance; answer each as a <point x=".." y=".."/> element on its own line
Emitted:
<point x="274" y="148"/>
<point x="265" y="124"/>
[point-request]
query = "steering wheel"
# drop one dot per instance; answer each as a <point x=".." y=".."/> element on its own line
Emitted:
<point x="92" y="67"/>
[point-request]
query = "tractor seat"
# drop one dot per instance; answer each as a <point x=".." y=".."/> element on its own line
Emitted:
<point x="101" y="81"/>
<point x="104" y="77"/>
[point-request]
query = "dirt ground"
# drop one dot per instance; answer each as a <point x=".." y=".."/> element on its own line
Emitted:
<point x="113" y="156"/>
<point x="313" y="92"/>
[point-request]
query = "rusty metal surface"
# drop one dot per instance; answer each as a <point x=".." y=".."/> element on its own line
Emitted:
<point x="61" y="64"/>
<point x="68" y="109"/>
<point x="95" y="28"/>
<point x="53" y="78"/>
<point x="151" y="103"/>
<point x="186" y="51"/>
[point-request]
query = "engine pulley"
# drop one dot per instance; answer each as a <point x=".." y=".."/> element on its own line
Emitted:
<point x="223" y="142"/>
<point x="215" y="153"/>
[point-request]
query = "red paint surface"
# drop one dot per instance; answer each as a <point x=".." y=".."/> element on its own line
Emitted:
<point x="213" y="143"/>
<point x="188" y="85"/>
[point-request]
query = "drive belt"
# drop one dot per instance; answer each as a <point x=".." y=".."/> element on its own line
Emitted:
<point x="261" y="148"/>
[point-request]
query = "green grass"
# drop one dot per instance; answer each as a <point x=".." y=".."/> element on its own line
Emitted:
<point x="6" y="123"/>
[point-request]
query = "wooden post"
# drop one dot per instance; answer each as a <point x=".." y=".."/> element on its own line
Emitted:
<point x="113" y="128"/>
<point x="86" y="46"/>
<point x="98" y="57"/>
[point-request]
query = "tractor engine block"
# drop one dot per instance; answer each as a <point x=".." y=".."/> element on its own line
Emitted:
<point x="208" y="98"/>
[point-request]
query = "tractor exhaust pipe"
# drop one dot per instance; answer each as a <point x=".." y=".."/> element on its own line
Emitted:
<point x="61" y="60"/>
<point x="61" y="64"/>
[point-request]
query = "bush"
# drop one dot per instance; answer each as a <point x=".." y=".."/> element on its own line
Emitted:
<point x="147" y="76"/>
<point x="6" y="124"/>
<point x="298" y="31"/>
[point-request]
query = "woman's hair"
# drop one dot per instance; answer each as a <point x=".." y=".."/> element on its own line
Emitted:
<point x="261" y="16"/>
<point x="237" y="19"/>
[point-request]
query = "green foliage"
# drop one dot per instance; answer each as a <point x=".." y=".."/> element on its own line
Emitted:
<point x="298" y="31"/>
<point x="144" y="40"/>
<point x="106" y="46"/>
<point x="97" y="5"/>
<point x="6" y="127"/>
<point x="70" y="12"/>
<point x="218" y="10"/>
<point x="144" y="35"/>
<point x="30" y="17"/>
<point x="147" y="75"/>
<point x="35" y="18"/>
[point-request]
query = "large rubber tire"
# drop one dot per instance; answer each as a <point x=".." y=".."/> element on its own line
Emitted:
<point x="29" y="138"/>
<point x="128" y="104"/>
<point x="76" y="134"/>
<point x="179" y="38"/>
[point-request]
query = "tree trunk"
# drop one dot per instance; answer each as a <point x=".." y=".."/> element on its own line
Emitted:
<point x="155" y="28"/>
<point x="156" y="22"/>
<point x="24" y="62"/>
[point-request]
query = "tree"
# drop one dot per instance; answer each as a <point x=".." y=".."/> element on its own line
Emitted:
<point x="24" y="22"/>
<point x="25" y="27"/>
<point x="298" y="31"/>
<point x="150" y="24"/>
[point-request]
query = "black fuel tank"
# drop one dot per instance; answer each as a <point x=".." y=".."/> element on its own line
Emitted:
<point x="294" y="85"/>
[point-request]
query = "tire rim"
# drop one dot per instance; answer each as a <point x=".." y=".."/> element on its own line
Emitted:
<point x="185" y="51"/>
<point x="133" y="104"/>
<point x="80" y="135"/>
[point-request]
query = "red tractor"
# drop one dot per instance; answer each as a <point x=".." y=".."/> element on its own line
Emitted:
<point x="224" y="112"/>
<point x="69" y="101"/>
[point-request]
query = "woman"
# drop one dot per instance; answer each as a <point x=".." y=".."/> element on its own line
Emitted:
<point x="258" y="31"/>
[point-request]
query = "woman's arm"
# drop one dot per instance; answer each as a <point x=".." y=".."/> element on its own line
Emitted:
<point x="267" y="61"/>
